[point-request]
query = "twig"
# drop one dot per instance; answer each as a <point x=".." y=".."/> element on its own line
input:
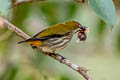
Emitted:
<point x="13" y="1"/>
<point x="11" y="27"/>
<point x="17" y="3"/>
<point x="83" y="1"/>
<point x="56" y="56"/>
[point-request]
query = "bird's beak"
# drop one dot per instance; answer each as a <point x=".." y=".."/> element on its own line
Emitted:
<point x="83" y="29"/>
<point x="86" y="30"/>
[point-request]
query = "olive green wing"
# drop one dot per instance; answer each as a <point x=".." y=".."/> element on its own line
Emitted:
<point x="58" y="29"/>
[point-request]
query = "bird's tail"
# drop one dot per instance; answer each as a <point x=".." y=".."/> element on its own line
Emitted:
<point x="21" y="42"/>
<point x="28" y="40"/>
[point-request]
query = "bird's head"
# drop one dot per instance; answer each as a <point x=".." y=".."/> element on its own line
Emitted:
<point x="74" y="25"/>
<point x="81" y="30"/>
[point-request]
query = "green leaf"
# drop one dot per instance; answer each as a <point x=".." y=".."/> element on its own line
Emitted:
<point x="105" y="9"/>
<point x="4" y="5"/>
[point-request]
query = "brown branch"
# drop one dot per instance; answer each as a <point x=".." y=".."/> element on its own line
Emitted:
<point x="56" y="56"/>
<point x="13" y="28"/>
<point x="17" y="3"/>
<point x="13" y="1"/>
<point x="78" y="1"/>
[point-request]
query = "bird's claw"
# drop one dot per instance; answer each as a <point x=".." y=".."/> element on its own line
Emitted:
<point x="84" y="69"/>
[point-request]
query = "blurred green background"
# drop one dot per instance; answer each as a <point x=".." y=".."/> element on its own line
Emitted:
<point x="100" y="53"/>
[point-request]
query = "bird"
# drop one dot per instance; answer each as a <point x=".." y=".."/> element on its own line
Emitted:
<point x="56" y="37"/>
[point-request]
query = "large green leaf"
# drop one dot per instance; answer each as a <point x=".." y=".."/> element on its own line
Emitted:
<point x="4" y="5"/>
<point x="105" y="9"/>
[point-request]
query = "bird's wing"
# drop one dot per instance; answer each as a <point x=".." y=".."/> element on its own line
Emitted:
<point x="48" y="37"/>
<point x="41" y="38"/>
<point x="38" y="33"/>
<point x="58" y="29"/>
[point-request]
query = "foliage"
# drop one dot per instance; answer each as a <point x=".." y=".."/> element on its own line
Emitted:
<point x="105" y="9"/>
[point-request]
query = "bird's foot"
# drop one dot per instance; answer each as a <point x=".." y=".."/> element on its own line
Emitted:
<point x="84" y="69"/>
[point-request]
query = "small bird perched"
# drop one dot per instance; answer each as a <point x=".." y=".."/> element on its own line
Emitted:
<point x="57" y="36"/>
